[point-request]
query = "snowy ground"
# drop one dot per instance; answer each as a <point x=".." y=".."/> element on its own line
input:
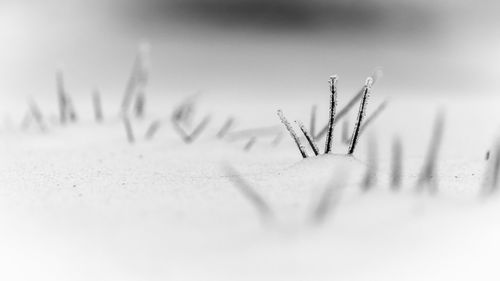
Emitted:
<point x="80" y="203"/>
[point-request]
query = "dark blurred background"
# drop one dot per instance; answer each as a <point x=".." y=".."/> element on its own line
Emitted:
<point x="246" y="48"/>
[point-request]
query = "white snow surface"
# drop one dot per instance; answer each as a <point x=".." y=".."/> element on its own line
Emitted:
<point x="80" y="203"/>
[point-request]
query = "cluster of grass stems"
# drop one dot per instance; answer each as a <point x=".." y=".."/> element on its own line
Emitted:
<point x="333" y="118"/>
<point x="182" y="122"/>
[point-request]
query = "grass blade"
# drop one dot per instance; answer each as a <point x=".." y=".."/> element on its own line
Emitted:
<point x="329" y="199"/>
<point x="128" y="130"/>
<point x="333" y="108"/>
<point x="370" y="178"/>
<point x="61" y="96"/>
<point x="152" y="129"/>
<point x="396" y="164"/>
<point x="96" y="102"/>
<point x="361" y="115"/>
<point x="341" y="113"/>
<point x="138" y="77"/>
<point x="309" y="138"/>
<point x="260" y="204"/>
<point x="225" y="127"/>
<point x="292" y="134"/>
<point x="37" y="115"/>
<point x="491" y="175"/>
<point x="190" y="137"/>
<point x="250" y="144"/>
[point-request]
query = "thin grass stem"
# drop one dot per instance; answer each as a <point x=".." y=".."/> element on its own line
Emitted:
<point x="396" y="164"/>
<point x="128" y="130"/>
<point x="261" y="205"/>
<point x="292" y="134"/>
<point x="309" y="138"/>
<point x="333" y="107"/>
<point x="225" y="128"/>
<point x="428" y="176"/>
<point x="361" y="115"/>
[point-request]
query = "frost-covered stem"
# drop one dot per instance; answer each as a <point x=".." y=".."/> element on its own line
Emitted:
<point x="342" y="112"/>
<point x="397" y="164"/>
<point x="96" y="102"/>
<point x="373" y="116"/>
<point x="225" y="127"/>
<point x="250" y="193"/>
<point x="309" y="138"/>
<point x="292" y="134"/>
<point x="333" y="108"/>
<point x="361" y="115"/>
<point x="428" y="173"/>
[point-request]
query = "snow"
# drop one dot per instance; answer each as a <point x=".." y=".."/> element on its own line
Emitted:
<point x="81" y="203"/>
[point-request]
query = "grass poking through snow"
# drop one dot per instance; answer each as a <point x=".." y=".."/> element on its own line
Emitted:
<point x="137" y="81"/>
<point x="427" y="179"/>
<point x="67" y="110"/>
<point x="370" y="177"/>
<point x="250" y="144"/>
<point x="309" y="138"/>
<point x="260" y="204"/>
<point x="491" y="174"/>
<point x="190" y="137"/>
<point x="331" y="119"/>
<point x="329" y="199"/>
<point x="128" y="130"/>
<point x="97" y="105"/>
<point x="396" y="164"/>
<point x="225" y="128"/>
<point x="292" y="134"/>
<point x="37" y="115"/>
<point x="152" y="129"/>
<point x="361" y="115"/>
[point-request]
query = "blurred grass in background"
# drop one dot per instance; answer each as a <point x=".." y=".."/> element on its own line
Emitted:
<point x="249" y="48"/>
